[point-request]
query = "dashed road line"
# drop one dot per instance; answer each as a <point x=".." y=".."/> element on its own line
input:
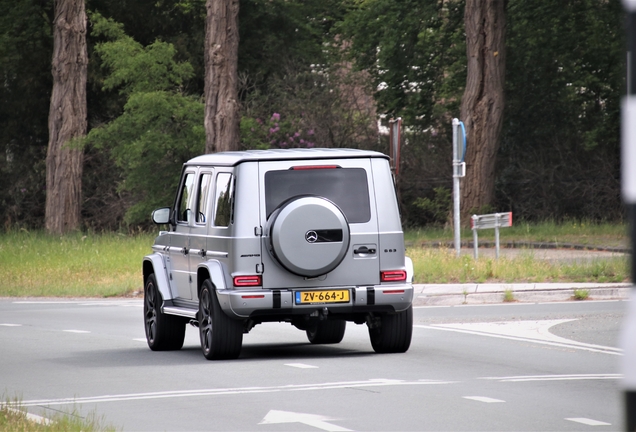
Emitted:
<point x="301" y="365"/>
<point x="571" y="377"/>
<point x="76" y="331"/>
<point x="10" y="325"/>
<point x="483" y="399"/>
<point x="588" y="422"/>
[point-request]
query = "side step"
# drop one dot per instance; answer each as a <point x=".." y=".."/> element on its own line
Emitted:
<point x="180" y="311"/>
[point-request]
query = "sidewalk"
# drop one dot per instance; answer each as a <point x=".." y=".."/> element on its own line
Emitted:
<point x="472" y="293"/>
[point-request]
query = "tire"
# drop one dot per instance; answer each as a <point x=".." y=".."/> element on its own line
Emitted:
<point x="221" y="336"/>
<point x="393" y="335"/>
<point x="326" y="332"/>
<point x="163" y="332"/>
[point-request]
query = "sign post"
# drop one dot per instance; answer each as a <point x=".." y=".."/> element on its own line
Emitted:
<point x="459" y="170"/>
<point x="395" y="138"/>
<point x="628" y="171"/>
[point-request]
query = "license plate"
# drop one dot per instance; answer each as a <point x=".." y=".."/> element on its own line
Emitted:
<point x="321" y="297"/>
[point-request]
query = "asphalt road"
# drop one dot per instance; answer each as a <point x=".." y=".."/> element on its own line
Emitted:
<point x="497" y="367"/>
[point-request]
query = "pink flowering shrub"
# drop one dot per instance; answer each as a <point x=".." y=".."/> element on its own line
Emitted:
<point x="275" y="132"/>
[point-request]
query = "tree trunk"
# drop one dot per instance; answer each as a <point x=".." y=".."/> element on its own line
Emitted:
<point x="221" y="76"/>
<point x="483" y="101"/>
<point x="67" y="117"/>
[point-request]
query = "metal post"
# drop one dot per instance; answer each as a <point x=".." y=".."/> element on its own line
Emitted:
<point x="628" y="333"/>
<point x="456" y="161"/>
<point x="475" y="237"/>
<point x="497" y="239"/>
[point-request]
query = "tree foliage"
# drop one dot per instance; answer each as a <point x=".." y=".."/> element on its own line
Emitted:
<point x="560" y="145"/>
<point x="26" y="45"/>
<point x="560" y="150"/>
<point x="160" y="128"/>
<point x="414" y="52"/>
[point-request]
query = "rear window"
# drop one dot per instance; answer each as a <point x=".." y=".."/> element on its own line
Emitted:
<point x="345" y="187"/>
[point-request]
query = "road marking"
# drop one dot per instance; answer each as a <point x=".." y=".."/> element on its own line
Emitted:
<point x="589" y="422"/>
<point x="301" y="365"/>
<point x="140" y="340"/>
<point x="11" y="325"/>
<point x="32" y="417"/>
<point x="124" y="303"/>
<point x="313" y="420"/>
<point x="483" y="399"/>
<point x="76" y="331"/>
<point x="527" y="331"/>
<point x="572" y="377"/>
<point x="231" y="391"/>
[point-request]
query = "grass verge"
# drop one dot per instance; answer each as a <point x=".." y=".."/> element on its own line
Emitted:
<point x="83" y="265"/>
<point x="442" y="266"/>
<point x="14" y="418"/>
<point x="34" y="264"/>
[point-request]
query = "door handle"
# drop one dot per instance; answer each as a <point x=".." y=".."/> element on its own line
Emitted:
<point x="364" y="250"/>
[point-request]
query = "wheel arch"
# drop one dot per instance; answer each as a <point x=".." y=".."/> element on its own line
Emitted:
<point x="154" y="264"/>
<point x="216" y="272"/>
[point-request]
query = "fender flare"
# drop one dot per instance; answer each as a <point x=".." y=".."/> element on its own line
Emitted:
<point x="410" y="273"/>
<point x="216" y="271"/>
<point x="155" y="264"/>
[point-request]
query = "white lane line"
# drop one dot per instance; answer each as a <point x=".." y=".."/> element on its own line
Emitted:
<point x="483" y="399"/>
<point x="572" y="377"/>
<point x="527" y="331"/>
<point x="123" y="303"/>
<point x="228" y="391"/>
<point x="301" y="365"/>
<point x="588" y="422"/>
<point x="76" y="331"/>
<point x="140" y="340"/>
<point x="32" y="417"/>
<point x="10" y="325"/>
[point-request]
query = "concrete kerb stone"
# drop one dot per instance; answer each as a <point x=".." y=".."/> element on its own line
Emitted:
<point x="470" y="293"/>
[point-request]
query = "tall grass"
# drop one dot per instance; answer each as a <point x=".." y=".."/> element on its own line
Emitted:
<point x="14" y="418"/>
<point x="442" y="266"/>
<point x="84" y="265"/>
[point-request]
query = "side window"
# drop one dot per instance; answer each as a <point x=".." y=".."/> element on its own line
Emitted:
<point x="205" y="180"/>
<point x="224" y="196"/>
<point x="184" y="211"/>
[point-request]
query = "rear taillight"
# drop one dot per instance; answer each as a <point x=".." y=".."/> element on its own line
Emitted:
<point x="393" y="276"/>
<point x="247" y="281"/>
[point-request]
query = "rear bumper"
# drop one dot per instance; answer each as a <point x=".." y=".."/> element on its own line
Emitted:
<point x="244" y="304"/>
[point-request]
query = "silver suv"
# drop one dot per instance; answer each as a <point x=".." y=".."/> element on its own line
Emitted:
<point x="311" y="237"/>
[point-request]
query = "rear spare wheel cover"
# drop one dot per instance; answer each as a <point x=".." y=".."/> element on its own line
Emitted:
<point x="309" y="236"/>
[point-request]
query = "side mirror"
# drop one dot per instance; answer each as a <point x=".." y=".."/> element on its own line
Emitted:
<point x="161" y="216"/>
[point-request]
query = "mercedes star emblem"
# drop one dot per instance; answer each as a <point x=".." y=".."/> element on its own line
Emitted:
<point x="311" y="236"/>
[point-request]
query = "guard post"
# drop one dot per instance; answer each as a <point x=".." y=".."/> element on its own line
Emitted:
<point x="489" y="221"/>
<point x="628" y="174"/>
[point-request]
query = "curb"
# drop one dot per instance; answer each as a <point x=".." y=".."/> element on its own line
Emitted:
<point x="462" y="294"/>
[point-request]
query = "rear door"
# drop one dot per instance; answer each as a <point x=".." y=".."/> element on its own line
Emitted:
<point x="347" y="183"/>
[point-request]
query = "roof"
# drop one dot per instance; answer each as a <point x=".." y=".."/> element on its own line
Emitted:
<point x="237" y="157"/>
